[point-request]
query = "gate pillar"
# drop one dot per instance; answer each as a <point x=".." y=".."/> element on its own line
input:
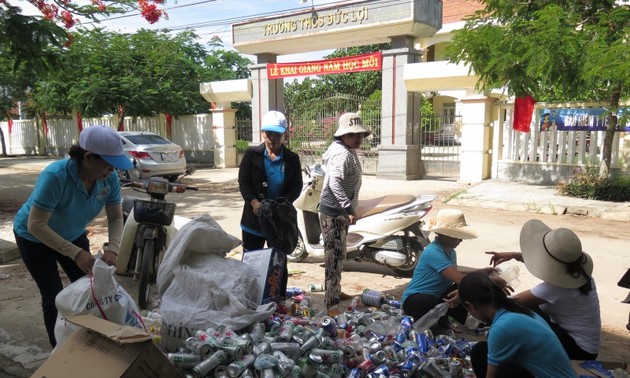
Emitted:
<point x="476" y="159"/>
<point x="399" y="151"/>
<point x="267" y="94"/>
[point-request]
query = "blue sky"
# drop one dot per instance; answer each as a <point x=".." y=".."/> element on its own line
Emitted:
<point x="206" y="17"/>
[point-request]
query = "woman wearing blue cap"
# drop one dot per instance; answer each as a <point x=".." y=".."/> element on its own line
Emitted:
<point x="50" y="228"/>
<point x="267" y="171"/>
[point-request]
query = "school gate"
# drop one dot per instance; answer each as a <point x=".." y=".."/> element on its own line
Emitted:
<point x="399" y="22"/>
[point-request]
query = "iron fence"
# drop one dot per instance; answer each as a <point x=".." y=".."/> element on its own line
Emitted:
<point x="440" y="137"/>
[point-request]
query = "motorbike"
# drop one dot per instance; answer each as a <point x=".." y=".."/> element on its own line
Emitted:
<point x="149" y="226"/>
<point x="388" y="230"/>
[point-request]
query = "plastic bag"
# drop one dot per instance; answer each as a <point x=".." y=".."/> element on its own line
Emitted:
<point x="200" y="237"/>
<point x="96" y="294"/>
<point x="217" y="295"/>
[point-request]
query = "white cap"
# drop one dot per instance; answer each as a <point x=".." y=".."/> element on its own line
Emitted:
<point x="106" y="143"/>
<point x="274" y="121"/>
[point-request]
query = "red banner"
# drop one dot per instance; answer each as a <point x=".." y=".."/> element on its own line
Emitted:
<point x="10" y="121"/>
<point x="357" y="63"/>
<point x="45" y="123"/>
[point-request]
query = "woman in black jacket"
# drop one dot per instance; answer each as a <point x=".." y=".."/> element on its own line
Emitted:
<point x="267" y="171"/>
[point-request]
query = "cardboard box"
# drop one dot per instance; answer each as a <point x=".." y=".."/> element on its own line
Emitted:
<point x="607" y="365"/>
<point x="103" y="349"/>
<point x="269" y="264"/>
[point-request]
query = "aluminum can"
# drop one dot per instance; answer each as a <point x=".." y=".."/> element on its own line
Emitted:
<point x="198" y="347"/>
<point x="381" y="370"/>
<point x="355" y="373"/>
<point x="406" y="323"/>
<point x="379" y="357"/>
<point x="290" y="349"/>
<point x="262" y="348"/>
<point x="342" y="321"/>
<point x="394" y="303"/>
<point x="286" y="331"/>
<point x="373" y="298"/>
<point x="206" y="366"/>
<point x="237" y="368"/>
<point x="220" y="371"/>
<point x="294" y="291"/>
<point x="309" y="370"/>
<point x="315" y="288"/>
<point x="366" y="366"/>
<point x="309" y="344"/>
<point x="184" y="360"/>
<point x="235" y="352"/>
<point x="329" y="326"/>
<point x="245" y="341"/>
<point x="455" y="369"/>
<point x="329" y="356"/>
<point x="257" y="332"/>
<point x="247" y="374"/>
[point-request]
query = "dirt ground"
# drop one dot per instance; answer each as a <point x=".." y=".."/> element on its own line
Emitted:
<point x="20" y="308"/>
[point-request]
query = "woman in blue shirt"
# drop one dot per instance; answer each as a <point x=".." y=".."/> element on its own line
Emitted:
<point x="436" y="276"/>
<point x="520" y="342"/>
<point x="50" y="227"/>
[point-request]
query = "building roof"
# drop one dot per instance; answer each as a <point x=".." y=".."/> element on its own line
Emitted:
<point x="456" y="10"/>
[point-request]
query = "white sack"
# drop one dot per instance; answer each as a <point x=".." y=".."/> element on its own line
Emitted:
<point x="198" y="238"/>
<point x="99" y="295"/>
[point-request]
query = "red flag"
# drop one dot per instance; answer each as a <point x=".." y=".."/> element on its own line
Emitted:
<point x="79" y="122"/>
<point x="45" y="124"/>
<point x="169" y="124"/>
<point x="10" y="120"/>
<point x="523" y="110"/>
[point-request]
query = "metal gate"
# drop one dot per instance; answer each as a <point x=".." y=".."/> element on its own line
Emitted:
<point x="312" y="126"/>
<point x="441" y="144"/>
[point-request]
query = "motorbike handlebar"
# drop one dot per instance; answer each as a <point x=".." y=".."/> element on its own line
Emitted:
<point x="152" y="186"/>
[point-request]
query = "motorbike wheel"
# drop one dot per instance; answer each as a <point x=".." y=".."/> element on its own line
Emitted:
<point x="145" y="273"/>
<point x="299" y="253"/>
<point x="414" y="249"/>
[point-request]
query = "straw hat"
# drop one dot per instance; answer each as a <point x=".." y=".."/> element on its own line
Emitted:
<point x="451" y="222"/>
<point x="350" y="123"/>
<point x="547" y="254"/>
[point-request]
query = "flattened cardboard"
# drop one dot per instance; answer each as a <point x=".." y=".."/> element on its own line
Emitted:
<point x="269" y="265"/>
<point x="102" y="349"/>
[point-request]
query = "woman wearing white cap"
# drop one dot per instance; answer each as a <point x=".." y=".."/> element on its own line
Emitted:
<point x="50" y="227"/>
<point x="339" y="199"/>
<point x="567" y="297"/>
<point x="267" y="171"/>
<point x="436" y="276"/>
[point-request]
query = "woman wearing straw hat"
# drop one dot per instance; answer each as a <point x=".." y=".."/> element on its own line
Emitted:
<point x="436" y="276"/>
<point x="339" y="199"/>
<point x="567" y="297"/>
<point x="520" y="342"/>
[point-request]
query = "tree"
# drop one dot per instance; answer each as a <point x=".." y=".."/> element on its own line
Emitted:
<point x="552" y="50"/>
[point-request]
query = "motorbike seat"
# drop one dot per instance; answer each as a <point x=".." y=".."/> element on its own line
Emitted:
<point x="380" y="204"/>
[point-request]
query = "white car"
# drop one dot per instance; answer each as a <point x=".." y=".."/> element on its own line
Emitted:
<point x="153" y="155"/>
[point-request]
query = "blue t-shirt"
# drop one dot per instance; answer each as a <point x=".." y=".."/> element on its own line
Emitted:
<point x="60" y="191"/>
<point x="426" y="277"/>
<point x="528" y="341"/>
<point x="274" y="169"/>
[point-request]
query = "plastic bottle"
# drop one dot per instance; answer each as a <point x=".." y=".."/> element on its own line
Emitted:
<point x="510" y="275"/>
<point x="430" y="318"/>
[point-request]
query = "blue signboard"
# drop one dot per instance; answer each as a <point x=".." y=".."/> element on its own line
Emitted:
<point x="572" y="119"/>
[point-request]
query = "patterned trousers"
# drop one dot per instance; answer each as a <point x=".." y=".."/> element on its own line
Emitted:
<point x="334" y="231"/>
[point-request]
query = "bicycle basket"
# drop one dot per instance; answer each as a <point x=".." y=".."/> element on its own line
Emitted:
<point x="161" y="213"/>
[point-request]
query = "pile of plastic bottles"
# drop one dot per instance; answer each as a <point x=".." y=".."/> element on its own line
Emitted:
<point x="361" y="342"/>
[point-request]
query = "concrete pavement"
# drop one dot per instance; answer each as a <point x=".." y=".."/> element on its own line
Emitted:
<point x="492" y="194"/>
